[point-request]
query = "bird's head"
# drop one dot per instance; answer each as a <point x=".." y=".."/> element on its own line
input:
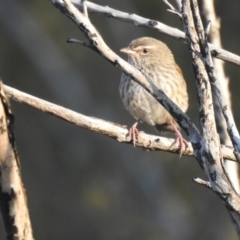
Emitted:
<point x="147" y="50"/>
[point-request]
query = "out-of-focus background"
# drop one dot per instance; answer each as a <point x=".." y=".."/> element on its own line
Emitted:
<point x="81" y="185"/>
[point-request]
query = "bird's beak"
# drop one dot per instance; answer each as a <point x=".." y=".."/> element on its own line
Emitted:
<point x="127" y="51"/>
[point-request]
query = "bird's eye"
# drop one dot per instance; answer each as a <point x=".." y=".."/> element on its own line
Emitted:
<point x="145" y="50"/>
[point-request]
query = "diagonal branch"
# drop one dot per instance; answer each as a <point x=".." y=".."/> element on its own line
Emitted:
<point x="149" y="23"/>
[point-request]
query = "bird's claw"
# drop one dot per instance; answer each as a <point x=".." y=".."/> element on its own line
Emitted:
<point x="179" y="140"/>
<point x="182" y="144"/>
<point x="133" y="133"/>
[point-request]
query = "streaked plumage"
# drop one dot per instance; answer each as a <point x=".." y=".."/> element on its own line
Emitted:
<point x="156" y="61"/>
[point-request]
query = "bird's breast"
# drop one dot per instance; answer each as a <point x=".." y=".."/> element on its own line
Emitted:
<point x="139" y="103"/>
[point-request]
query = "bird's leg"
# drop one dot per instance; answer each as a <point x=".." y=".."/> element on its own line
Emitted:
<point x="179" y="139"/>
<point x="133" y="132"/>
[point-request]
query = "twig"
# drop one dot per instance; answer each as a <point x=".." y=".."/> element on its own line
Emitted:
<point x="85" y="12"/>
<point x="74" y="40"/>
<point x="202" y="182"/>
<point x="172" y="9"/>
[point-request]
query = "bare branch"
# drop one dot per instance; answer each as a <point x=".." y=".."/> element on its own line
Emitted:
<point x="13" y="201"/>
<point x="170" y="5"/>
<point x="202" y="182"/>
<point x="113" y="130"/>
<point x="145" y="22"/>
<point x="74" y="40"/>
<point x="172" y="9"/>
<point x="84" y="8"/>
<point x="179" y="4"/>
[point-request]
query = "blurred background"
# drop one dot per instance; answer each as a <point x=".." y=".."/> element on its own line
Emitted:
<point x="81" y="185"/>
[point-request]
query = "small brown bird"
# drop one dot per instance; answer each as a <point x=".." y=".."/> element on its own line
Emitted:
<point x="156" y="62"/>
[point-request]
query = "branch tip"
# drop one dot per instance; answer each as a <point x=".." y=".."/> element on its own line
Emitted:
<point x="175" y="12"/>
<point x="74" y="40"/>
<point x="202" y="182"/>
<point x="172" y="8"/>
<point x="84" y="4"/>
<point x="207" y="29"/>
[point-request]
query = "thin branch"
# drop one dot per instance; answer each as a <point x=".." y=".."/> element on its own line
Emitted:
<point x="179" y="4"/>
<point x="113" y="130"/>
<point x="109" y="129"/>
<point x="172" y="9"/>
<point x="74" y="40"/>
<point x="149" y="23"/>
<point x="202" y="182"/>
<point x="207" y="29"/>
<point x="85" y="12"/>
<point x="170" y="5"/>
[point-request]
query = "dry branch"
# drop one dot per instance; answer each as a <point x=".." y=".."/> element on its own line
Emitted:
<point x="13" y="201"/>
<point x="109" y="129"/>
<point x="149" y="23"/>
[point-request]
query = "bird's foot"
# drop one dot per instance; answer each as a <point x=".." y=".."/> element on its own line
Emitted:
<point x="133" y="133"/>
<point x="182" y="143"/>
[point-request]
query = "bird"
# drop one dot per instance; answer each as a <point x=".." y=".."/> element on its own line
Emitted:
<point x="156" y="62"/>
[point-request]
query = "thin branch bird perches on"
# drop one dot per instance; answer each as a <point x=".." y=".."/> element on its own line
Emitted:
<point x="109" y="129"/>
